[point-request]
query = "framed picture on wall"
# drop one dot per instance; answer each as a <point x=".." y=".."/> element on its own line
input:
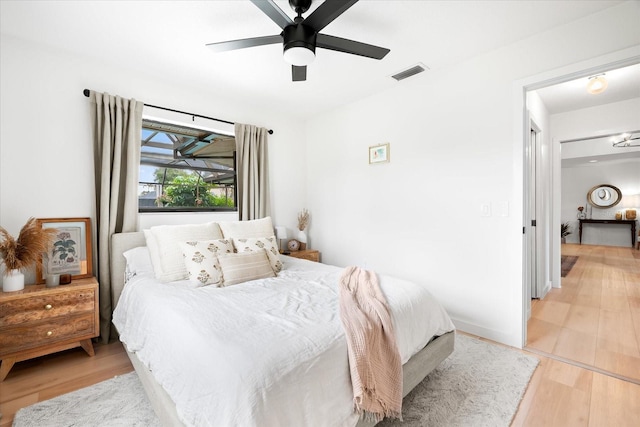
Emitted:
<point x="379" y="153"/>
<point x="69" y="251"/>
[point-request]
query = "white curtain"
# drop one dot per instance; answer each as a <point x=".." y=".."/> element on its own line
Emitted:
<point x="116" y="124"/>
<point x="252" y="171"/>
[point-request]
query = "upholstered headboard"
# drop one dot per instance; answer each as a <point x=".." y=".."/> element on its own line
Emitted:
<point x="120" y="243"/>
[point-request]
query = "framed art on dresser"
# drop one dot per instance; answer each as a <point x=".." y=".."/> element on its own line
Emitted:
<point x="69" y="251"/>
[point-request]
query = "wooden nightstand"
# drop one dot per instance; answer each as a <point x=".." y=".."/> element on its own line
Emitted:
<point x="309" y="254"/>
<point x="40" y="320"/>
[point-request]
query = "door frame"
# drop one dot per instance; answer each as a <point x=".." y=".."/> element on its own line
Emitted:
<point x="620" y="59"/>
<point x="529" y="241"/>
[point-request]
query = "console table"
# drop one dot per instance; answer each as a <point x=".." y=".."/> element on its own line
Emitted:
<point x="631" y="222"/>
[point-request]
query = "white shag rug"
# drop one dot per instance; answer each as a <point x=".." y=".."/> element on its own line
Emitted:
<point x="480" y="384"/>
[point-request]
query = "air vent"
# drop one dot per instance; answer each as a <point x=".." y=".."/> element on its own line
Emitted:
<point x="412" y="71"/>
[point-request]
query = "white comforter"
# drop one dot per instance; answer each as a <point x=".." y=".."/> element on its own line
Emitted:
<point x="270" y="352"/>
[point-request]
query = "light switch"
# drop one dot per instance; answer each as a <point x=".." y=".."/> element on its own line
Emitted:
<point x="501" y="209"/>
<point x="485" y="209"/>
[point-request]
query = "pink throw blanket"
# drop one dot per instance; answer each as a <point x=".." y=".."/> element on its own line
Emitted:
<point x="374" y="360"/>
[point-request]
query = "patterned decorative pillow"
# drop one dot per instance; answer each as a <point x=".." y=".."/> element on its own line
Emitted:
<point x="269" y="244"/>
<point x="245" y="266"/>
<point x="201" y="259"/>
<point x="163" y="243"/>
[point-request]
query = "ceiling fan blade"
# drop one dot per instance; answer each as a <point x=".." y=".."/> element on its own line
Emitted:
<point x="351" y="46"/>
<point x="272" y="10"/>
<point x="327" y="12"/>
<point x="244" y="43"/>
<point x="298" y="74"/>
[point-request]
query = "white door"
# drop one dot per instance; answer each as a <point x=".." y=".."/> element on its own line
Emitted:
<point x="535" y="242"/>
<point x="531" y="236"/>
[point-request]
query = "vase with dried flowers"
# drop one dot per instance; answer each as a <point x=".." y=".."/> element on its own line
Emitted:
<point x="581" y="214"/>
<point x="303" y="223"/>
<point x="23" y="252"/>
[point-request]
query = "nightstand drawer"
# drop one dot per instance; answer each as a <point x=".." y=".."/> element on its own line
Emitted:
<point x="36" y="334"/>
<point x="308" y="254"/>
<point x="38" y="320"/>
<point x="311" y="257"/>
<point x="42" y="307"/>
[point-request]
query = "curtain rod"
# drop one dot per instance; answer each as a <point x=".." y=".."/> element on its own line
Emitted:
<point x="87" y="92"/>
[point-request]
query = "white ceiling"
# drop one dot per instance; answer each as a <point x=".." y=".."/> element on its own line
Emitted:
<point x="166" y="39"/>
<point x="623" y="83"/>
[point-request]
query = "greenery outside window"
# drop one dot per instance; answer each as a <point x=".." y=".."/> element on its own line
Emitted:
<point x="185" y="169"/>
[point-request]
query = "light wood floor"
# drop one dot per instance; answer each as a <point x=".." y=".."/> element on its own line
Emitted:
<point x="559" y="394"/>
<point x="594" y="319"/>
<point x="49" y="376"/>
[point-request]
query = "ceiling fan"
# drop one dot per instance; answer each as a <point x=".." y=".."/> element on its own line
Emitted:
<point x="301" y="36"/>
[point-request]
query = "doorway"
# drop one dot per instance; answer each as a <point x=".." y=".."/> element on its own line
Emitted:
<point x="556" y="311"/>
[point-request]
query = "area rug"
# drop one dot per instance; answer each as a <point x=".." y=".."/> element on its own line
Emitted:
<point x="480" y="384"/>
<point x="566" y="264"/>
<point x="118" y="402"/>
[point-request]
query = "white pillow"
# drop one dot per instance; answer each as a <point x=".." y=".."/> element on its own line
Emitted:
<point x="243" y="267"/>
<point x="201" y="261"/>
<point x="166" y="254"/>
<point x="270" y="244"/>
<point x="138" y="261"/>
<point x="247" y="229"/>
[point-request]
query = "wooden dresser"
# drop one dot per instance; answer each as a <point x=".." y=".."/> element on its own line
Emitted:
<point x="40" y="320"/>
<point x="309" y="254"/>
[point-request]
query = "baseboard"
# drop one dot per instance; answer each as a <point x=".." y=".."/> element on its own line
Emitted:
<point x="491" y="334"/>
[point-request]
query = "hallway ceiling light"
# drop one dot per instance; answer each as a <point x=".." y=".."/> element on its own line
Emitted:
<point x="597" y="84"/>
<point x="626" y="140"/>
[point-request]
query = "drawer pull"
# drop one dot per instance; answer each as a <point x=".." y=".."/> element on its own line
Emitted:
<point x="49" y="333"/>
<point x="48" y="307"/>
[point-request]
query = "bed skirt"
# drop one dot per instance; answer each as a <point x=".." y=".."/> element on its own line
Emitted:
<point x="413" y="372"/>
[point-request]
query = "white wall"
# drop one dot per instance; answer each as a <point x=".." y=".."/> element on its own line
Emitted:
<point x="588" y="122"/>
<point x="452" y="150"/>
<point x="579" y="178"/>
<point x="46" y="154"/>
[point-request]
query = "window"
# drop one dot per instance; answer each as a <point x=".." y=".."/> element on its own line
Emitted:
<point x="185" y="169"/>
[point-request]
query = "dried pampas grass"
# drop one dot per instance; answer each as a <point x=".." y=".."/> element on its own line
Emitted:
<point x="303" y="219"/>
<point x="32" y="242"/>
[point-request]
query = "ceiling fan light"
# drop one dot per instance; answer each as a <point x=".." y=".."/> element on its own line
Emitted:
<point x="626" y="140"/>
<point x="299" y="56"/>
<point x="299" y="44"/>
<point x="597" y="84"/>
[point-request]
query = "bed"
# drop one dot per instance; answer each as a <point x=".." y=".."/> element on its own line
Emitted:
<point x="269" y="351"/>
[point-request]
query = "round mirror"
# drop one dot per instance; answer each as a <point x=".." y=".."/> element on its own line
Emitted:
<point x="604" y="196"/>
